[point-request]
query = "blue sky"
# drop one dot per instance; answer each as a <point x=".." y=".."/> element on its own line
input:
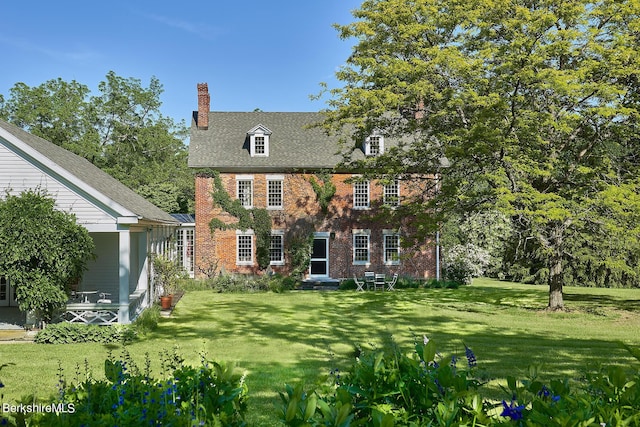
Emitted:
<point x="267" y="54"/>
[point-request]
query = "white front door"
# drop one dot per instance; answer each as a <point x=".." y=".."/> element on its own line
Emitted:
<point x="7" y="296"/>
<point x="319" y="266"/>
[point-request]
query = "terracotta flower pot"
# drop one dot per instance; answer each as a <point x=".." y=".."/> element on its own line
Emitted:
<point x="165" y="301"/>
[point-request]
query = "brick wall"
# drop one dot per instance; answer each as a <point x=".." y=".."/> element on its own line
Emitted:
<point x="302" y="212"/>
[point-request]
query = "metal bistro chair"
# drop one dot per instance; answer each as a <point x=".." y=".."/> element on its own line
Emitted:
<point x="359" y="283"/>
<point x="379" y="282"/>
<point x="369" y="279"/>
<point x="392" y="283"/>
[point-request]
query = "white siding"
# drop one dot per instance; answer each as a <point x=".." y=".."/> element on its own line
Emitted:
<point x="18" y="175"/>
<point x="103" y="273"/>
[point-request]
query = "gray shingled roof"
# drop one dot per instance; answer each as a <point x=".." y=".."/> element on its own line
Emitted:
<point x="292" y="144"/>
<point x="91" y="175"/>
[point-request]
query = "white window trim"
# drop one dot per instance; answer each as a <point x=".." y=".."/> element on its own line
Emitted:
<point x="244" y="233"/>
<point x="386" y="233"/>
<point x="244" y="178"/>
<point x="368" y="205"/>
<point x="358" y="232"/>
<point x="259" y="130"/>
<point x="278" y="233"/>
<point x="384" y="195"/>
<point x="275" y="178"/>
<point x="367" y="144"/>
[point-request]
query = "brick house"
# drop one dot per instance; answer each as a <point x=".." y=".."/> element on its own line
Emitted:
<point x="269" y="160"/>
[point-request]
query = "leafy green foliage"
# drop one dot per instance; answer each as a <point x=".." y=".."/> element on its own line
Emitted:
<point x="387" y="387"/>
<point x="324" y="192"/>
<point x="147" y="321"/>
<point x="534" y="106"/>
<point x="212" y="394"/>
<point x="71" y="333"/>
<point x="299" y="247"/>
<point x="167" y="273"/>
<point x="242" y="283"/>
<point x="119" y="130"/>
<point x="256" y="219"/>
<point x="42" y="250"/>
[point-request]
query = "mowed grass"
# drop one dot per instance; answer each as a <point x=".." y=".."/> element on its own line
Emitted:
<point x="300" y="336"/>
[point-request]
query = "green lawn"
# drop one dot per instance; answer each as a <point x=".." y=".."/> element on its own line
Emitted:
<point x="298" y="336"/>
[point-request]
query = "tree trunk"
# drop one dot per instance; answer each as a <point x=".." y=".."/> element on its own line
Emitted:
<point x="555" y="283"/>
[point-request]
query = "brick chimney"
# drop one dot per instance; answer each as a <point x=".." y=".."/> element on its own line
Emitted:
<point x="204" y="103"/>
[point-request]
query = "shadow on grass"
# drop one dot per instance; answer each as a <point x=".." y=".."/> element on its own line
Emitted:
<point x="603" y="301"/>
<point x="312" y="325"/>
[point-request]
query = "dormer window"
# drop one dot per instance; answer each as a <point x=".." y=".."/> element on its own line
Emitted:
<point x="374" y="145"/>
<point x="259" y="141"/>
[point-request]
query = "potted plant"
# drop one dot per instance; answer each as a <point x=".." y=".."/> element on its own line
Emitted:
<point x="166" y="274"/>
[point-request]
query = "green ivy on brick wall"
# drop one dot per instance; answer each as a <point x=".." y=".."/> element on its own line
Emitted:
<point x="324" y="192"/>
<point x="256" y="219"/>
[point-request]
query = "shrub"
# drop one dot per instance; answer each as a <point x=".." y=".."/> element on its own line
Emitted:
<point x="386" y="387"/>
<point x="240" y="283"/>
<point x="464" y="262"/>
<point x="69" y="333"/>
<point x="147" y="321"/>
<point x="211" y="394"/>
<point x="167" y="273"/>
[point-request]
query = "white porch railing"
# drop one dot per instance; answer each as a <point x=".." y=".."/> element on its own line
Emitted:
<point x="91" y="314"/>
<point x="137" y="303"/>
<point x="103" y="314"/>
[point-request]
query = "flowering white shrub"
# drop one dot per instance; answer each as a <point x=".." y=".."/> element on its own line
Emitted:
<point x="463" y="262"/>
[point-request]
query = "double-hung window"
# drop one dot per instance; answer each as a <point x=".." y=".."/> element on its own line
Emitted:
<point x="374" y="145"/>
<point x="391" y="242"/>
<point x="361" y="194"/>
<point x="244" y="188"/>
<point x="392" y="194"/>
<point x="275" y="191"/>
<point x="244" y="247"/>
<point x="276" y="248"/>
<point x="259" y="141"/>
<point x="361" y="246"/>
<point x="260" y="146"/>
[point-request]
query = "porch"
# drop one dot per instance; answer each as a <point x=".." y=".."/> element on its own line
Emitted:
<point x="101" y="313"/>
<point x="91" y="313"/>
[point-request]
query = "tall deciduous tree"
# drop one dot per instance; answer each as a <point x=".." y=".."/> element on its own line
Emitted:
<point x="534" y="104"/>
<point x="121" y="130"/>
<point x="42" y="250"/>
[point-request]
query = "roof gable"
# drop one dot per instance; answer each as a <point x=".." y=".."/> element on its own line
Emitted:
<point x="259" y="129"/>
<point x="90" y="181"/>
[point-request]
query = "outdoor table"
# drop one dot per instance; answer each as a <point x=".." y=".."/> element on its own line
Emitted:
<point x="86" y="294"/>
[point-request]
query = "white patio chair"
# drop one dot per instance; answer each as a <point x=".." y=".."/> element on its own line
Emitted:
<point x="359" y="283"/>
<point x="392" y="283"/>
<point x="103" y="298"/>
<point x="379" y="282"/>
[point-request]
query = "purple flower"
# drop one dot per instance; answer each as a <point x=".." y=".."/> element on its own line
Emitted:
<point x="471" y="358"/>
<point x="544" y="392"/>
<point x="512" y="411"/>
<point x="454" y="360"/>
